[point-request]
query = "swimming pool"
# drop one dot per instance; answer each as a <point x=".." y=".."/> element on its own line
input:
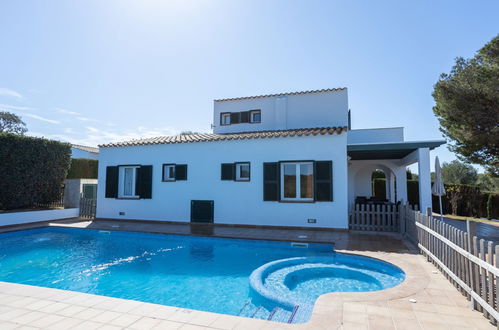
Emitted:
<point x="203" y="273"/>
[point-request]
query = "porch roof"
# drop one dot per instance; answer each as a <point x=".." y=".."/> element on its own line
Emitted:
<point x="391" y="150"/>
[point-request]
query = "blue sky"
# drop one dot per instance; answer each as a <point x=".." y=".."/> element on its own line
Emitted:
<point x="91" y="72"/>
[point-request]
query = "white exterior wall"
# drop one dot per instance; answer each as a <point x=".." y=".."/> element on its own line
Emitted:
<point x="376" y="135"/>
<point x="16" y="218"/>
<point x="78" y="153"/>
<point x="235" y="202"/>
<point x="287" y="112"/>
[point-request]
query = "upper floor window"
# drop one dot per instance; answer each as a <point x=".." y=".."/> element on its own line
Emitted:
<point x="243" y="117"/>
<point x="255" y="116"/>
<point x="225" y="118"/>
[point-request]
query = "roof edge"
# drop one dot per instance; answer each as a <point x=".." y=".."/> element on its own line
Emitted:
<point x="85" y="148"/>
<point x="432" y="144"/>
<point x="316" y="91"/>
<point x="194" y="138"/>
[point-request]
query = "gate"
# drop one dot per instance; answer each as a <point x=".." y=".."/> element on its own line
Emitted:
<point x="88" y="207"/>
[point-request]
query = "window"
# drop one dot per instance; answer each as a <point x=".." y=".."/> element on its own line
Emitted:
<point x="169" y="172"/>
<point x="297" y="181"/>
<point x="231" y="118"/>
<point x="174" y="172"/>
<point x="89" y="190"/>
<point x="239" y="171"/>
<point x="255" y="116"/>
<point x="242" y="171"/>
<point x="127" y="181"/>
<point x="225" y="118"/>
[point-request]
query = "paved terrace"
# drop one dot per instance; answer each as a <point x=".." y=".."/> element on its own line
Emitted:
<point x="438" y="304"/>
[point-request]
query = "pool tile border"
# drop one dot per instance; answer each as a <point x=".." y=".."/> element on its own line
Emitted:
<point x="439" y="305"/>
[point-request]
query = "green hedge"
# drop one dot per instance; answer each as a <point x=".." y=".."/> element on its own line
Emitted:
<point x="32" y="170"/>
<point x="464" y="200"/>
<point x="82" y="168"/>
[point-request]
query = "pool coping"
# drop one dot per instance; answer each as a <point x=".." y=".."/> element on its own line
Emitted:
<point x="327" y="311"/>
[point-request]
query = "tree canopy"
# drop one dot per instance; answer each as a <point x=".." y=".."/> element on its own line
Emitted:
<point x="11" y="123"/>
<point x="457" y="172"/>
<point x="467" y="106"/>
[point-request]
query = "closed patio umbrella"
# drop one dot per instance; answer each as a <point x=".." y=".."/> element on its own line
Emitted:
<point x="438" y="188"/>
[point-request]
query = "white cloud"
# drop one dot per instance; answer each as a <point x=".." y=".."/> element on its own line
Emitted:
<point x="43" y="119"/>
<point x="10" y="92"/>
<point x="8" y="107"/>
<point x="81" y="118"/>
<point x="69" y="112"/>
<point x="98" y="136"/>
<point x="93" y="129"/>
<point x="93" y="136"/>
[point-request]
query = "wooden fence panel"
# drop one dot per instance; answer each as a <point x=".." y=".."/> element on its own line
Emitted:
<point x="470" y="264"/>
<point x="370" y="217"/>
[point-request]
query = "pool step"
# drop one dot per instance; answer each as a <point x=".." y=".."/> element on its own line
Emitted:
<point x="259" y="312"/>
<point x="293" y="314"/>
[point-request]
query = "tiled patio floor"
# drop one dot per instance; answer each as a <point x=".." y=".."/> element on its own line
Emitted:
<point x="439" y="305"/>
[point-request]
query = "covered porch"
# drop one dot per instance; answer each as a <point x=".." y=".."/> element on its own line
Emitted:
<point x="391" y="158"/>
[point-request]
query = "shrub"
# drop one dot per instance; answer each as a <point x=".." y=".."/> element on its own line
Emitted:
<point x="32" y="170"/>
<point x="464" y="200"/>
<point x="82" y="168"/>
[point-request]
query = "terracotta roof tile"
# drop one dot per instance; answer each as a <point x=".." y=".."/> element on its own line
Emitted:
<point x="85" y="148"/>
<point x="282" y="94"/>
<point x="190" y="138"/>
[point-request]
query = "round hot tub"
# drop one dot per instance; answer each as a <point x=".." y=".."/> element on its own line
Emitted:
<point x="288" y="283"/>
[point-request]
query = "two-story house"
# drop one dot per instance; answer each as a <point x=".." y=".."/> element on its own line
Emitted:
<point x="286" y="159"/>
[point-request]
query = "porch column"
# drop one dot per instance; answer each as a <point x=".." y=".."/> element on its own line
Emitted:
<point x="424" y="178"/>
<point x="392" y="188"/>
<point x="401" y="183"/>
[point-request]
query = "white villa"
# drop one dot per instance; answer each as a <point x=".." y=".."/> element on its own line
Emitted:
<point x="287" y="159"/>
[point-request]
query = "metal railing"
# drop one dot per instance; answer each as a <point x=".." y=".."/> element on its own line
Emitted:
<point x="88" y="207"/>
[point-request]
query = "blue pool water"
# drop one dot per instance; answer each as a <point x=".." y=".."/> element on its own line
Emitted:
<point x="204" y="273"/>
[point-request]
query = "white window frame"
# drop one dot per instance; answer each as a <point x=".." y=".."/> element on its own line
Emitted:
<point x="168" y="178"/>
<point x="237" y="168"/>
<point x="297" y="182"/>
<point x="222" y="118"/>
<point x="252" y="112"/>
<point x="121" y="181"/>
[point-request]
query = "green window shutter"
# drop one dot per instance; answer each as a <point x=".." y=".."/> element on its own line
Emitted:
<point x="228" y="171"/>
<point x="112" y="182"/>
<point x="271" y="181"/>
<point x="245" y="117"/>
<point x="235" y="117"/>
<point x="143" y="185"/>
<point x="323" y="181"/>
<point x="181" y="172"/>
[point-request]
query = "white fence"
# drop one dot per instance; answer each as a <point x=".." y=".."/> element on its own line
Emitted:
<point x="471" y="264"/>
<point x="16" y="218"/>
<point x="374" y="217"/>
